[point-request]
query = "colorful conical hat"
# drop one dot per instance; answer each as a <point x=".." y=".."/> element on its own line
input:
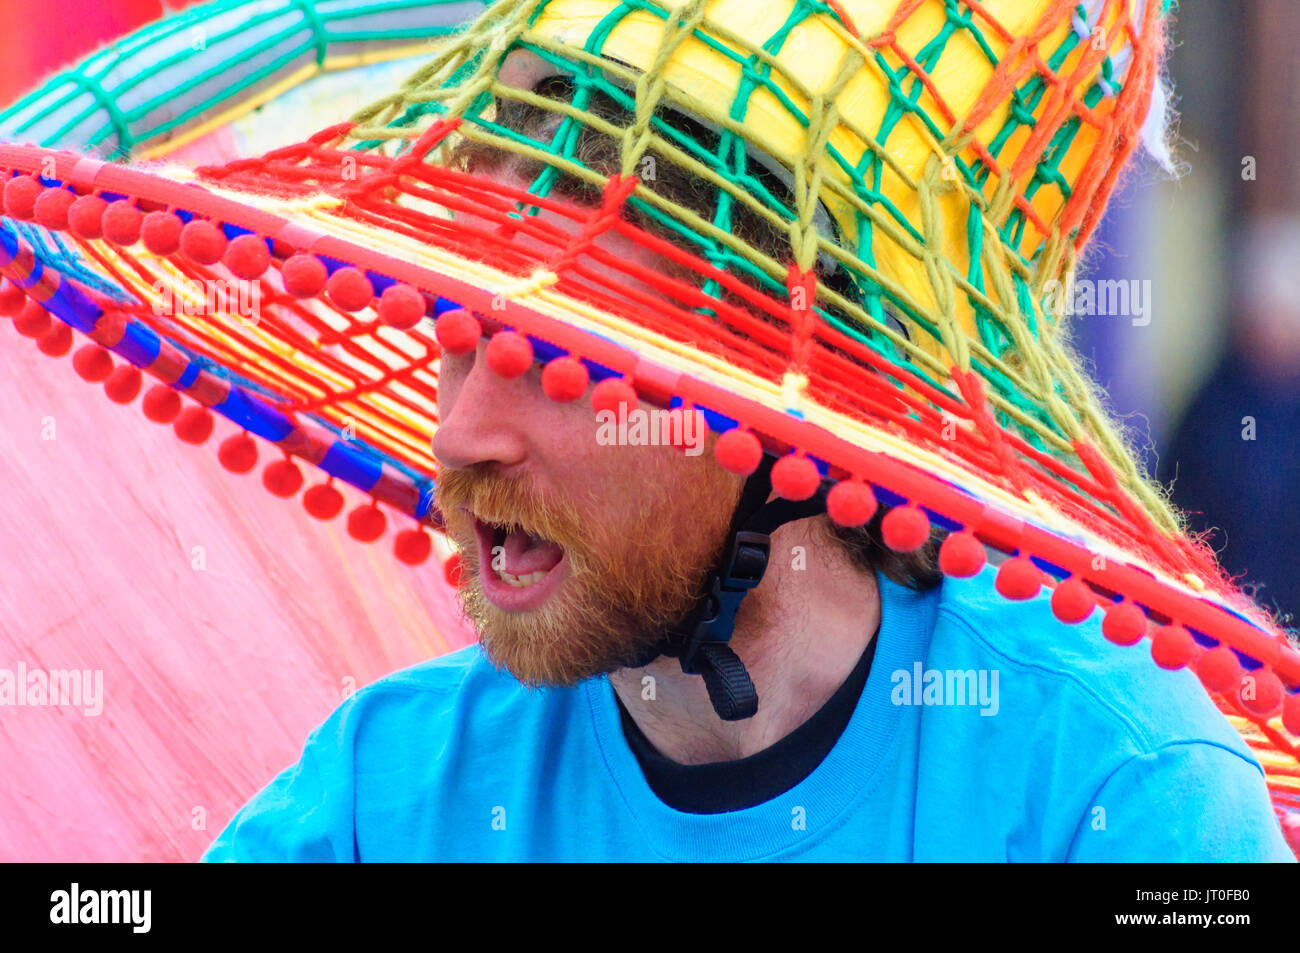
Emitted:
<point x="934" y="171"/>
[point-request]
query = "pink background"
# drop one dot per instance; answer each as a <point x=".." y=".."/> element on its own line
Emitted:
<point x="213" y="676"/>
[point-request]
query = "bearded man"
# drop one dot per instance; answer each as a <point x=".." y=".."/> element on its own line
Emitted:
<point x="678" y="660"/>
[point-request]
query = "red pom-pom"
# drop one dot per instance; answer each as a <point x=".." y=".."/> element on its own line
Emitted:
<point x="52" y="207"/>
<point x="57" y="341"/>
<point x="349" y="289"/>
<point x="20" y="196"/>
<point x="850" y="503"/>
<point x="194" y="425"/>
<point x="1291" y="714"/>
<point x="401" y="307"/>
<point x="1261" y="693"/>
<point x="509" y="354"/>
<point x="738" y="451"/>
<point x="413" y="546"/>
<point x="453" y="570"/>
<point x="614" y="395"/>
<point x="1172" y="646"/>
<point x="203" y="242"/>
<point x="12" y="299"/>
<point x="282" y="478"/>
<point x="565" y="379"/>
<point x="795" y="477"/>
<point x="33" y="321"/>
<point x="366" y="523"/>
<point x="961" y="555"/>
<point x="1073" y="601"/>
<point x="161" y="233"/>
<point x="304" y="276"/>
<point x="458" y="331"/>
<point x="905" y="529"/>
<point x="1124" y="623"/>
<point x="1019" y="578"/>
<point x="161" y="404"/>
<point x="122" y="222"/>
<point x="93" y="363"/>
<point x="123" y="385"/>
<point x="323" y="501"/>
<point x="86" y="217"/>
<point x="248" y="257"/>
<point x="238" y="454"/>
<point x="1219" y="669"/>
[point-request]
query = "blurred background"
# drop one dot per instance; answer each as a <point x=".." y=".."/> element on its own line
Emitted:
<point x="1210" y="388"/>
<point x="1207" y="383"/>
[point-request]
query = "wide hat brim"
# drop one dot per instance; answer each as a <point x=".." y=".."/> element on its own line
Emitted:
<point x="327" y="374"/>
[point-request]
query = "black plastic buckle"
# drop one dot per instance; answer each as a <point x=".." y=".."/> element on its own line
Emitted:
<point x="742" y="571"/>
<point x="747" y="560"/>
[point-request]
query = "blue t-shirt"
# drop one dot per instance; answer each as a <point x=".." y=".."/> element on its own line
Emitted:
<point x="987" y="730"/>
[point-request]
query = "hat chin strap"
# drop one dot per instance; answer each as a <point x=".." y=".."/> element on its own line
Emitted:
<point x="701" y="642"/>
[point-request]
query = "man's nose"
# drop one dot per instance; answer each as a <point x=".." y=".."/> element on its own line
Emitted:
<point x="482" y="420"/>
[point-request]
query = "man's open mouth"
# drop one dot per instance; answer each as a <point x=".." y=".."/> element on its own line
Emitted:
<point x="519" y="569"/>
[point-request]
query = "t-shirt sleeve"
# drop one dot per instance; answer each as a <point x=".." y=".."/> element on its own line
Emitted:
<point x="304" y="815"/>
<point x="1187" y="801"/>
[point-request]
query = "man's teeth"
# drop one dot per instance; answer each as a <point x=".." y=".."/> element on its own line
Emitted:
<point x="520" y="582"/>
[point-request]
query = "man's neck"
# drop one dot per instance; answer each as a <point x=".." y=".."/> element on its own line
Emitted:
<point x="799" y="633"/>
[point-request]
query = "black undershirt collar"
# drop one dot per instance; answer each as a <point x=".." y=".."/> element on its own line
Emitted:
<point x="736" y="785"/>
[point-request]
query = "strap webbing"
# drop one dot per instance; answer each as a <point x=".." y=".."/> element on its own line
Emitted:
<point x="701" y="643"/>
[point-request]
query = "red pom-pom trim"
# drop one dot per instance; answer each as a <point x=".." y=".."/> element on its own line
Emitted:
<point x="93" y="363"/>
<point x="12" y="298"/>
<point x="458" y="331"/>
<point x="615" y="395"/>
<point x="413" y="546"/>
<point x="247" y="256"/>
<point x="349" y="289"/>
<point x="795" y="477"/>
<point x="1018" y="578"/>
<point x="961" y="555"/>
<point x="57" y="341"/>
<point x="161" y="404"/>
<point x="453" y="570"/>
<point x="323" y="501"/>
<point x="194" y="425"/>
<point x="1219" y="669"/>
<point x="905" y="529"/>
<point x="1073" y="601"/>
<point x="20" y="196"/>
<point x="238" y="453"/>
<point x="1172" y="646"/>
<point x="51" y="209"/>
<point x="1124" y="623"/>
<point x="33" y="321"/>
<point x="123" y="385"/>
<point x="1291" y="714"/>
<point x="509" y="354"/>
<point x="366" y="523"/>
<point x="122" y="222"/>
<point x="161" y="233"/>
<point x="282" y="478"/>
<point x="1261" y="693"/>
<point x="738" y="451"/>
<point x="565" y="379"/>
<point x="401" y="307"/>
<point x="851" y="503"/>
<point x="203" y="242"/>
<point x="304" y="276"/>
<point x="86" y="217"/>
